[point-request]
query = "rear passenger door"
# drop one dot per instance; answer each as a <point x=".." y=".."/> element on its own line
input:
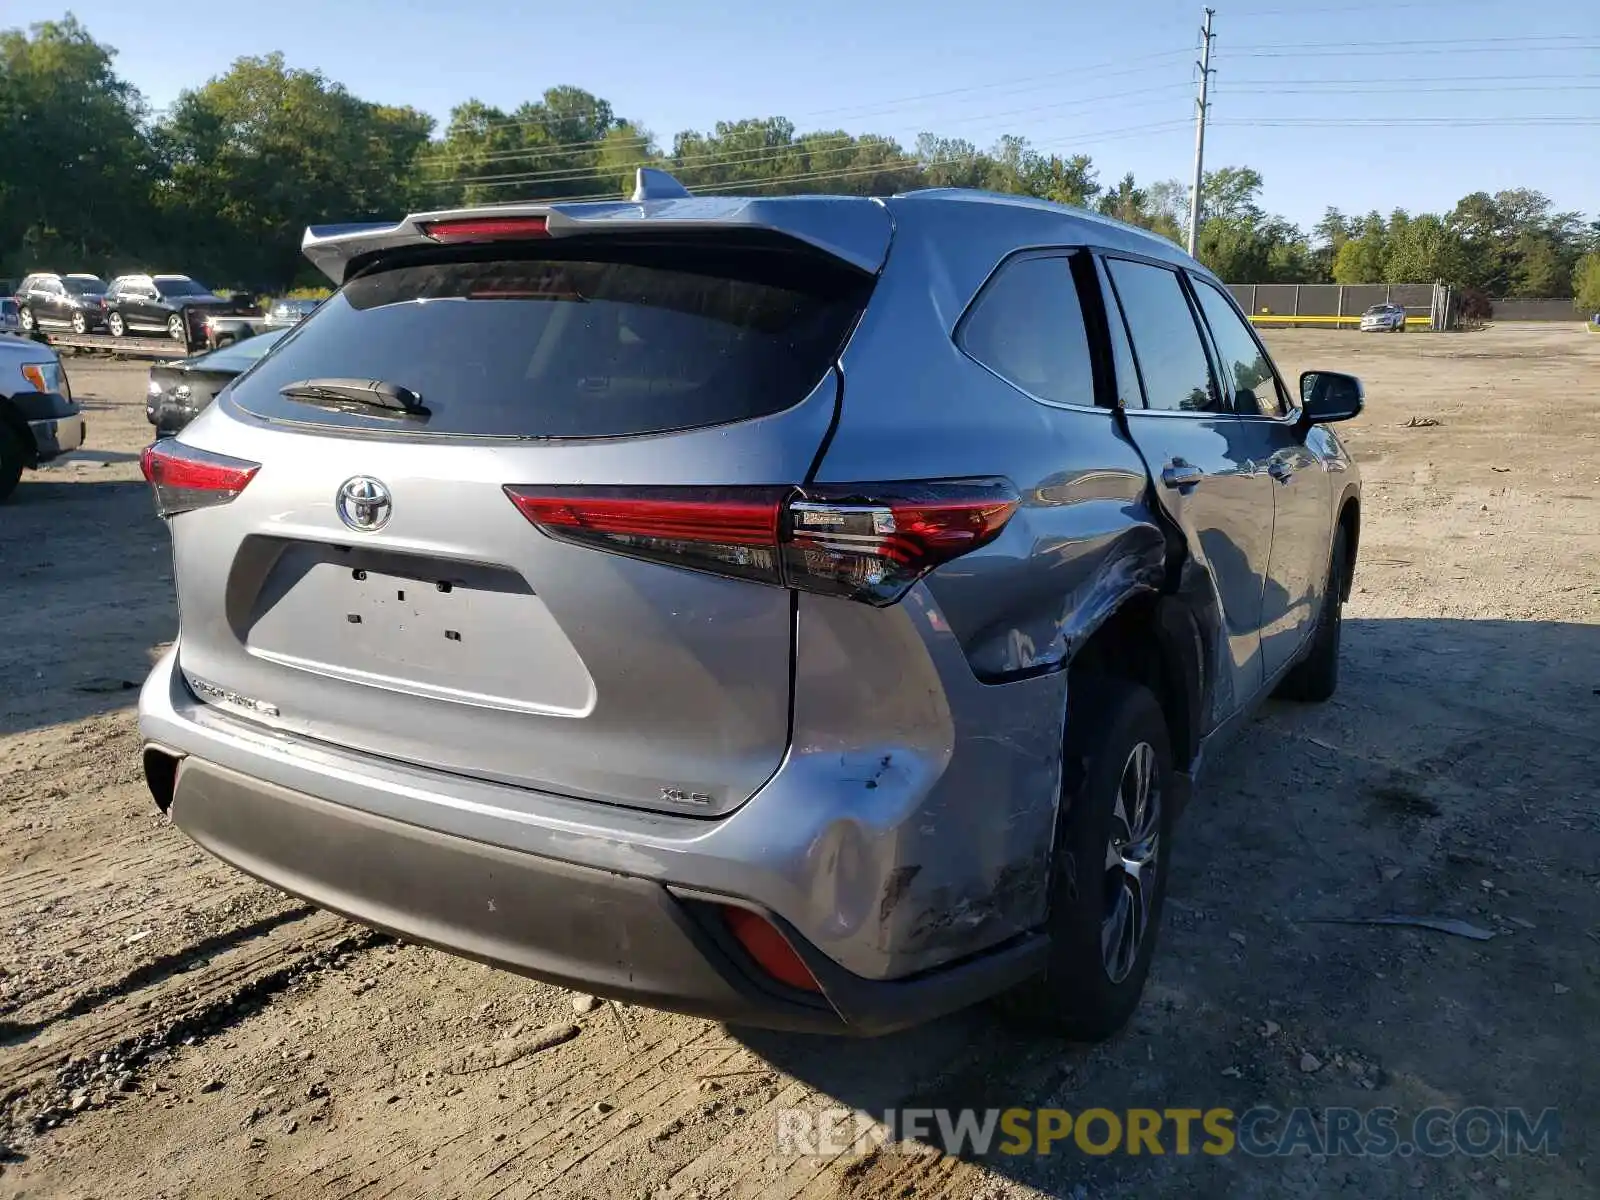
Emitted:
<point x="50" y="302"/>
<point x="1205" y="475"/>
<point x="1301" y="490"/>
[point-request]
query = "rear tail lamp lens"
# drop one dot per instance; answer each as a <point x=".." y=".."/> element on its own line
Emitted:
<point x="184" y="477"/>
<point x="770" y="950"/>
<point x="867" y="542"/>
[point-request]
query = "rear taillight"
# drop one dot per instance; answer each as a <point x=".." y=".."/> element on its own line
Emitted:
<point x="486" y="229"/>
<point x="185" y="478"/>
<point x="866" y="542"/>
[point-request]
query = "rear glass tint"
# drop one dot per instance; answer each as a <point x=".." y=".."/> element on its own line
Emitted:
<point x="1027" y="327"/>
<point x="603" y="342"/>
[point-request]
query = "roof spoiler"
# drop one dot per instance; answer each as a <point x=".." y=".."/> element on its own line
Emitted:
<point x="853" y="229"/>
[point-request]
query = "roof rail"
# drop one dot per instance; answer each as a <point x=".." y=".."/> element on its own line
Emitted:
<point x="651" y="184"/>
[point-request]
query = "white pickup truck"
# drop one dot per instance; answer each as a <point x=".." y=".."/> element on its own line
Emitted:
<point x="38" y="418"/>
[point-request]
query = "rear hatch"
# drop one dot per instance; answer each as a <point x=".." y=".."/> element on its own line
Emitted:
<point x="375" y="587"/>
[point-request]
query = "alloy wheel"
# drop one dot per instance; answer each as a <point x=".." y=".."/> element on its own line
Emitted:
<point x="1132" y="860"/>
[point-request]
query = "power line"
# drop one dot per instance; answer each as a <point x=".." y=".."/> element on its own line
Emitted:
<point x="1379" y="90"/>
<point x="1262" y="50"/>
<point x="1302" y="47"/>
<point x="903" y="163"/>
<point x="1407" y="80"/>
<point x="1452" y="5"/>
<point x="759" y="154"/>
<point x="1387" y="53"/>
<point x="542" y="152"/>
<point x="597" y="175"/>
<point x="1575" y="122"/>
<point x="893" y="103"/>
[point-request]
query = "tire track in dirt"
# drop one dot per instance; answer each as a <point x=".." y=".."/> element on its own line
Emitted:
<point x="651" y="1071"/>
<point x="80" y="1063"/>
<point x="116" y="912"/>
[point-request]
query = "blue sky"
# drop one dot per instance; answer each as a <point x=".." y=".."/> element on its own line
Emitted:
<point x="1389" y="85"/>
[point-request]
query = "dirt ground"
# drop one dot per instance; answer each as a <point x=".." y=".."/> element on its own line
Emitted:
<point x="170" y="1028"/>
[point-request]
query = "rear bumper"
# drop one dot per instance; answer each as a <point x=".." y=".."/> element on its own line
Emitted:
<point x="622" y="902"/>
<point x="616" y="935"/>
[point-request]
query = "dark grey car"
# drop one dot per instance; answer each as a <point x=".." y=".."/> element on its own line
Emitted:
<point x="806" y="612"/>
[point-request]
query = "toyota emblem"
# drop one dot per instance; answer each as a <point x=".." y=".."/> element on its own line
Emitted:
<point x="364" y="503"/>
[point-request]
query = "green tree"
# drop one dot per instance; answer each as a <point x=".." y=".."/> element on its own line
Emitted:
<point x="1245" y="250"/>
<point x="1360" y="260"/>
<point x="1541" y="270"/>
<point x="1331" y="233"/>
<point x="1586" y="282"/>
<point x="260" y="152"/>
<point x="1231" y="193"/>
<point x="77" y="167"/>
<point x="1424" y="249"/>
<point x="566" y="144"/>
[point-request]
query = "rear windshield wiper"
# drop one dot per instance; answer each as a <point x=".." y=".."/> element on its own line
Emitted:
<point x="357" y="393"/>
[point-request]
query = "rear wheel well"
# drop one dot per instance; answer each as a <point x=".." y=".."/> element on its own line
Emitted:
<point x="1149" y="640"/>
<point x="1350" y="522"/>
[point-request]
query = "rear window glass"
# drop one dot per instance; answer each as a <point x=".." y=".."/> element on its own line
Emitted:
<point x="180" y="287"/>
<point x="576" y="343"/>
<point x="1027" y="327"/>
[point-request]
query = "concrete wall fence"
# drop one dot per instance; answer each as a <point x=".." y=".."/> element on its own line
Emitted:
<point x="1536" y="310"/>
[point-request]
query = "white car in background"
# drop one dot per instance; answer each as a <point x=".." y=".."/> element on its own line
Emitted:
<point x="1384" y="318"/>
<point x="39" y="420"/>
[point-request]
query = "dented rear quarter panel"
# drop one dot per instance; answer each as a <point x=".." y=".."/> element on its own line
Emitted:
<point x="960" y="861"/>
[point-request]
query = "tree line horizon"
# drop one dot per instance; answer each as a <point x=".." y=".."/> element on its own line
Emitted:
<point x="222" y="184"/>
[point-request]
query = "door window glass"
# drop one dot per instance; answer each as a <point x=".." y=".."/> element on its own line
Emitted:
<point x="1166" y="341"/>
<point x="1246" y="368"/>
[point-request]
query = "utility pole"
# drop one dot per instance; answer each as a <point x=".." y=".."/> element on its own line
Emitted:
<point x="1201" y="112"/>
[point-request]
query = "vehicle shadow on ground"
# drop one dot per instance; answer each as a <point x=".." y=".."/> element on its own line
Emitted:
<point x="1378" y="802"/>
<point x="104" y="456"/>
<point x="86" y="594"/>
<point x="59" y="486"/>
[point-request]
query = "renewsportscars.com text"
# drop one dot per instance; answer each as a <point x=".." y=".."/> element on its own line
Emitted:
<point x="1261" y="1131"/>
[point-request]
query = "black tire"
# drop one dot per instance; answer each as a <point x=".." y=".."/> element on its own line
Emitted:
<point x="116" y="325"/>
<point x="25" y="317"/>
<point x="1080" y="995"/>
<point x="1316" y="676"/>
<point x="11" y="462"/>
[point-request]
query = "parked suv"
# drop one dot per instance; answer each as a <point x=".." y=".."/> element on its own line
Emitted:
<point x="76" y="302"/>
<point x="806" y="612"/>
<point x="39" y="420"/>
<point x="177" y="390"/>
<point x="173" y="305"/>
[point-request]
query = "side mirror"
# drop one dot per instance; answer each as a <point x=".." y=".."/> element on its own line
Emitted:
<point x="1330" y="396"/>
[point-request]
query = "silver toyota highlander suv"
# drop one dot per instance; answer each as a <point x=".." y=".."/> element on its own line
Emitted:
<point x="805" y="612"/>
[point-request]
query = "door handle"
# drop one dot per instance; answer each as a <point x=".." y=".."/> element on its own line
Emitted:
<point x="1280" y="471"/>
<point x="1179" y="474"/>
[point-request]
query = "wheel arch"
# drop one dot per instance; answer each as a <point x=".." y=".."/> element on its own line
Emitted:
<point x="1349" y="520"/>
<point x="11" y="418"/>
<point x="1151" y="639"/>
